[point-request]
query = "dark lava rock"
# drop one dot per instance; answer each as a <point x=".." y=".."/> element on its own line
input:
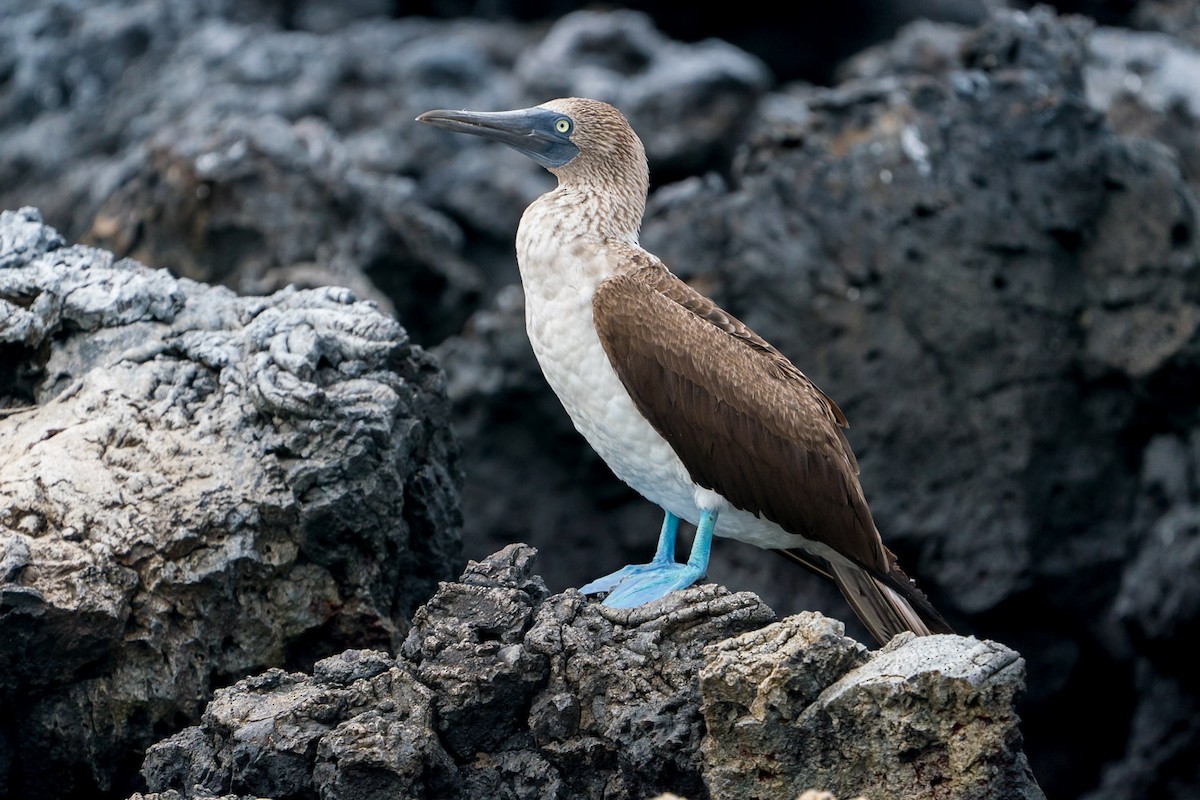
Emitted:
<point x="503" y="691"/>
<point x="999" y="290"/>
<point x="998" y="287"/>
<point x="255" y="157"/>
<point x="982" y="241"/>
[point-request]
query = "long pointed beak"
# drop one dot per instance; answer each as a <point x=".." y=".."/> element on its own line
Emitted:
<point x="529" y="130"/>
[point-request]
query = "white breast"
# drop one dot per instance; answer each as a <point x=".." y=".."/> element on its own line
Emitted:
<point x="558" y="317"/>
<point x="559" y="281"/>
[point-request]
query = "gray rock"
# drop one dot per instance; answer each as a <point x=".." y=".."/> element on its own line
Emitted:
<point x="1031" y="183"/>
<point x="1160" y="597"/>
<point x="191" y="121"/>
<point x="1161" y="757"/>
<point x="999" y="291"/>
<point x="257" y="158"/>
<point x="193" y="487"/>
<point x="921" y="47"/>
<point x="1148" y="86"/>
<point x="1158" y="604"/>
<point x="503" y="691"/>
<point x="952" y="227"/>
<point x="258" y="203"/>
<point x="1180" y="18"/>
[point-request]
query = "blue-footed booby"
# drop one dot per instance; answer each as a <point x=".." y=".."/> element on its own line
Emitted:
<point x="687" y="405"/>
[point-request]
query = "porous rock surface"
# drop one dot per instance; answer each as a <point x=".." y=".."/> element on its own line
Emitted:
<point x="980" y="239"/>
<point x="799" y="704"/>
<point x="502" y="690"/>
<point x="194" y="487"/>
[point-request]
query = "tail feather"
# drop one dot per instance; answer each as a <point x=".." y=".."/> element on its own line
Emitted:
<point x="882" y="609"/>
<point x="886" y="605"/>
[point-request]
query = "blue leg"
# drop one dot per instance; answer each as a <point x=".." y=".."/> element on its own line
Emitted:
<point x="634" y="585"/>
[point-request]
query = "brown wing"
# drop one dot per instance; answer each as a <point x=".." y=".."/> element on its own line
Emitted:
<point x="743" y="419"/>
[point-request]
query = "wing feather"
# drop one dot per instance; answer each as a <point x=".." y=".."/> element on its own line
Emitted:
<point x="741" y="417"/>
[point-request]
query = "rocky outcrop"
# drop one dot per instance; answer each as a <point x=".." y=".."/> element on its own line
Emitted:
<point x="504" y="691"/>
<point x="255" y="158"/>
<point x="194" y="487"/>
<point x="260" y="202"/>
<point x="799" y="704"/>
<point x="980" y="239"/>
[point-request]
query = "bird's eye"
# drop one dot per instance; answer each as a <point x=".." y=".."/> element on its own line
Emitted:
<point x="562" y="125"/>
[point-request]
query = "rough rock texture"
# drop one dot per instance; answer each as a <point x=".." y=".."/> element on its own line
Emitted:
<point x="981" y="240"/>
<point x="929" y="221"/>
<point x="238" y="154"/>
<point x="256" y="158"/>
<point x="194" y="487"/>
<point x="500" y="691"/>
<point x="1148" y="86"/>
<point x="259" y="202"/>
<point x="796" y="703"/>
<point x="503" y="691"/>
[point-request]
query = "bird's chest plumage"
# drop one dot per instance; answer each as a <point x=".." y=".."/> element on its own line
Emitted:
<point x="560" y="274"/>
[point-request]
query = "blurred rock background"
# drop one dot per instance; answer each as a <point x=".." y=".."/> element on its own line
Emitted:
<point x="974" y="225"/>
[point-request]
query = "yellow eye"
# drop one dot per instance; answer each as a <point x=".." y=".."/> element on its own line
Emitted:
<point x="562" y="125"/>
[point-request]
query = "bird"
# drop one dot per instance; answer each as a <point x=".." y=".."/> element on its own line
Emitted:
<point x="684" y="403"/>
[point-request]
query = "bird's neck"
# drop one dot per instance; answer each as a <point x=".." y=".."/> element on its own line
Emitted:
<point x="602" y="212"/>
<point x="571" y="235"/>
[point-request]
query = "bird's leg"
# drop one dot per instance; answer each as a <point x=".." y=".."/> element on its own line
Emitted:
<point x="702" y="544"/>
<point x="665" y="552"/>
<point x="640" y="583"/>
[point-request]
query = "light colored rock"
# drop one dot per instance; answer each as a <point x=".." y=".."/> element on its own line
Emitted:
<point x="797" y="704"/>
<point x="197" y="486"/>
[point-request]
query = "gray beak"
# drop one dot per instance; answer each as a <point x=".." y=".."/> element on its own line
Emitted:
<point x="530" y="130"/>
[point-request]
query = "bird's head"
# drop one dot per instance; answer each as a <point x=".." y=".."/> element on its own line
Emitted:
<point x="581" y="141"/>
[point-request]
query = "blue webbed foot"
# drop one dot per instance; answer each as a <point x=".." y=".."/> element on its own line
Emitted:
<point x="664" y="558"/>
<point x="640" y="583"/>
<point x="610" y="581"/>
